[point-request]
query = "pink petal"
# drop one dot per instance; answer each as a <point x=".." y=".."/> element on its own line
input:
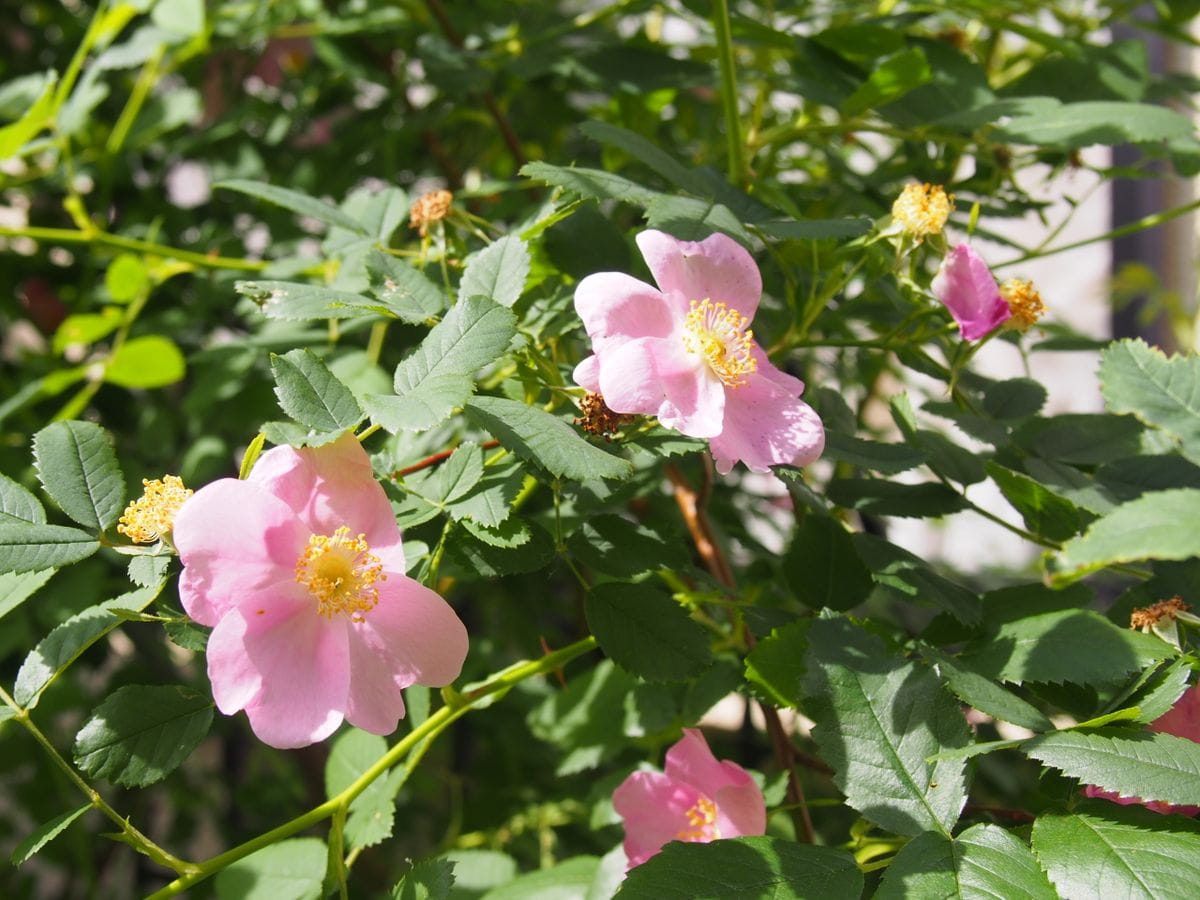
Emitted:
<point x="691" y="761"/>
<point x="1182" y="719"/>
<point x="654" y="808"/>
<point x="766" y="425"/>
<point x="234" y="539"/>
<point x="587" y="374"/>
<point x="422" y="636"/>
<point x="655" y="377"/>
<point x="741" y="809"/>
<point x="329" y="487"/>
<point x="717" y="268"/>
<point x="288" y="668"/>
<point x="966" y="286"/>
<point x="616" y="307"/>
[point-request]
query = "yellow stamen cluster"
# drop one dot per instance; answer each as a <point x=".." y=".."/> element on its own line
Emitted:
<point x="341" y="573"/>
<point x="1148" y="616"/>
<point x="922" y="209"/>
<point x="597" y="418"/>
<point x="719" y="334"/>
<point x="428" y="209"/>
<point x="152" y="515"/>
<point x="702" y="819"/>
<point x="1024" y="301"/>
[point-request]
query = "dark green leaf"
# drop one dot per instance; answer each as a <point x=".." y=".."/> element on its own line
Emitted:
<point x="815" y="229"/>
<point x="1017" y="398"/>
<point x="985" y="695"/>
<point x="45" y="834"/>
<point x="776" y="665"/>
<point x="822" y="566"/>
<point x="1081" y="438"/>
<point x="31" y="548"/>
<point x="1128" y="479"/>
<point x="890" y="80"/>
<point x="646" y="632"/>
<point x="403" y="289"/>
<point x="594" y="184"/>
<point x="310" y="394"/>
<point x="299" y="302"/>
<point x="18" y="505"/>
<point x="78" y="469"/>
<point x="141" y="733"/>
<point x="892" y="498"/>
<point x="616" y="546"/>
<point x="1044" y="512"/>
<point x="17" y="587"/>
<point x="887" y="459"/>
<point x="896" y="568"/>
<point x="430" y="879"/>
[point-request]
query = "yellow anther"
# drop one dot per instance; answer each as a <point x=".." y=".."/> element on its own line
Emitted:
<point x="341" y="573"/>
<point x="702" y="819"/>
<point x="922" y="209"/>
<point x="719" y="334"/>
<point x="152" y="515"/>
<point x="1024" y="301"/>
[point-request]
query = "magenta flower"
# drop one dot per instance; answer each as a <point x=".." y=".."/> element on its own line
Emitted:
<point x="697" y="799"/>
<point x="300" y="571"/>
<point x="684" y="352"/>
<point x="1181" y="720"/>
<point x="966" y="286"/>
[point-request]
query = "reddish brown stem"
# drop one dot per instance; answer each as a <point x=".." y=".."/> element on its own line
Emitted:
<point x="435" y="459"/>
<point x="692" y="506"/>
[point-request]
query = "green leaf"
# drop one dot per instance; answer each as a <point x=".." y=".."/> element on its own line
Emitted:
<point x="149" y="361"/>
<point x="1076" y="646"/>
<point x="429" y="879"/>
<point x="985" y="861"/>
<point x="497" y="272"/>
<point x="39" y="115"/>
<point x="822" y="566"/>
<point x="890" y="79"/>
<point x="293" y="435"/>
<point x="1016" y="398"/>
<point x="878" y="719"/>
<point x="490" y="501"/>
<point x="1081" y="438"/>
<point x="182" y="17"/>
<point x="1119" y="852"/>
<point x="372" y="813"/>
<point x="126" y="278"/>
<point x="619" y="547"/>
<point x="78" y="469"/>
<point x="539" y="437"/>
<point x="404" y="289"/>
<point x="45" y="834"/>
<point x="745" y="867"/>
<point x="427" y="404"/>
<point x="646" y="632"/>
<point x="892" y="498"/>
<point x="1160" y="691"/>
<point x="31" y="548"/>
<point x="648" y="153"/>
<point x="815" y="229"/>
<point x="1148" y="765"/>
<point x="985" y="695"/>
<point x="311" y="394"/>
<point x="1158" y="525"/>
<point x="1128" y="479"/>
<point x="484" y="560"/>
<point x="887" y="459"/>
<point x="141" y="733"/>
<point x="63" y="645"/>
<point x="594" y="184"/>
<point x="294" y="201"/>
<point x="1044" y="512"/>
<point x="567" y="880"/>
<point x="692" y="219"/>
<point x="776" y="665"/>
<point x="1160" y="391"/>
<point x="18" y="505"/>
<point x="299" y="302"/>
<point x="16" y="588"/>
<point x="1097" y="122"/>
<point x="289" y="870"/>
<point x="916" y="580"/>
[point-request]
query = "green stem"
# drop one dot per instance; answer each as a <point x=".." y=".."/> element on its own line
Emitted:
<point x="105" y="239"/>
<point x="458" y="706"/>
<point x="141" y="90"/>
<point x="729" y="96"/>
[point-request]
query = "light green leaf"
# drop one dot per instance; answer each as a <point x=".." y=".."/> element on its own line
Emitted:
<point x="985" y="695"/>
<point x="45" y="834"/>
<point x="301" y="204"/>
<point x="1044" y="512"/>
<point x="745" y="867"/>
<point x="1158" y="695"/>
<point x="1097" y="122"/>
<point x="295" y="301"/>
<point x="1144" y="764"/>
<point x="427" y="404"/>
<point x="182" y="17"/>
<point x="311" y="394"/>
<point x="31" y="548"/>
<point x="544" y="439"/>
<point x="126" y="278"/>
<point x="141" y="733"/>
<point x="1107" y="850"/>
<point x="458" y="475"/>
<point x="78" y="469"/>
<point x="646" y="632"/>
<point x="405" y="290"/>
<point x="497" y="272"/>
<point x="18" y="505"/>
<point x="878" y="719"/>
<point x="372" y="813"/>
<point x="822" y="566"/>
<point x="63" y="645"/>
<point x="429" y="879"/>
<point x="293" y="435"/>
<point x="1076" y="646"/>
<point x="891" y="78"/>
<point x="508" y="535"/>
<point x="14" y="136"/>
<point x="475" y="871"/>
<point x="86" y="328"/>
<point x="1162" y="392"/>
<point x="568" y="880"/>
<point x="490" y="501"/>
<point x="17" y="587"/>
<point x="776" y="665"/>
<point x="289" y="870"/>
<point x="149" y="361"/>
<point x="594" y="184"/>
<point x="647" y="152"/>
<point x="1158" y="525"/>
<point x="982" y="863"/>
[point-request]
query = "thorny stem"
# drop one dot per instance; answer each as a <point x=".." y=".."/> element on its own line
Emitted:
<point x="415" y="742"/>
<point x="696" y="519"/>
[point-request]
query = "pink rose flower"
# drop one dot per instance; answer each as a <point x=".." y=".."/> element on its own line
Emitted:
<point x="966" y="286"/>
<point x="300" y="571"/>
<point x="684" y="352"/>
<point x="697" y="799"/>
<point x="1181" y="720"/>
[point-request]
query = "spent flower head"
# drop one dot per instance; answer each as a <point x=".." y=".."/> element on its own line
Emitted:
<point x="151" y="517"/>
<point x="922" y="209"/>
<point x="429" y="208"/>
